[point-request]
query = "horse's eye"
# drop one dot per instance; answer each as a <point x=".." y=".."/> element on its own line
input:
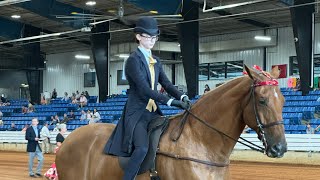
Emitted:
<point x="263" y="101"/>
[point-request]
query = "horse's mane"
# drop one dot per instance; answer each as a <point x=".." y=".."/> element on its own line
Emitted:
<point x="224" y="87"/>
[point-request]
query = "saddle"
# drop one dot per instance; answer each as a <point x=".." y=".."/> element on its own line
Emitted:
<point x="155" y="129"/>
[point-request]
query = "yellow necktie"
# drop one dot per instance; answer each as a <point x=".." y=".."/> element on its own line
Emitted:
<point x="151" y="104"/>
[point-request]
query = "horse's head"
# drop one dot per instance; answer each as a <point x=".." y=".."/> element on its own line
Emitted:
<point x="264" y="111"/>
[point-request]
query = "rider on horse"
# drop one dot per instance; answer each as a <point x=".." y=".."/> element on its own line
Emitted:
<point x="143" y="72"/>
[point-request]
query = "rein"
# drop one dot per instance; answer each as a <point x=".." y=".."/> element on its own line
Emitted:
<point x="176" y="133"/>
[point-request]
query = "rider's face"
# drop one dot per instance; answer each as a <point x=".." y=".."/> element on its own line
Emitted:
<point x="146" y="41"/>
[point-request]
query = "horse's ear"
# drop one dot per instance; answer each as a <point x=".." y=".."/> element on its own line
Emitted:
<point x="275" y="72"/>
<point x="253" y="75"/>
<point x="248" y="70"/>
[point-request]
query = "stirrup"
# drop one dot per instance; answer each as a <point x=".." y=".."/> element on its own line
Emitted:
<point x="154" y="175"/>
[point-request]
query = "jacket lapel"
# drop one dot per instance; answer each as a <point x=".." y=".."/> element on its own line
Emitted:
<point x="32" y="130"/>
<point x="144" y="61"/>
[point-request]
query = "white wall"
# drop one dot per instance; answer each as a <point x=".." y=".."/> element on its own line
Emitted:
<point x="114" y="88"/>
<point x="66" y="74"/>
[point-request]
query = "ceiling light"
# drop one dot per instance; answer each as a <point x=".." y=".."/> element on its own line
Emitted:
<point x="111" y="11"/>
<point x="153" y="12"/>
<point x="15" y="16"/>
<point x="90" y="3"/>
<point x="262" y="38"/>
<point x="178" y="44"/>
<point x="82" y="56"/>
<point x="123" y="55"/>
<point x="9" y="2"/>
<point x="229" y="5"/>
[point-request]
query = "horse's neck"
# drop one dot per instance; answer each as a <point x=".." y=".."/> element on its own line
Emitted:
<point x="222" y="109"/>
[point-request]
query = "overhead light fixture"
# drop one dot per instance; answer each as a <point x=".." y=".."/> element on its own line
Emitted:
<point x="15" y="16"/>
<point x="123" y="55"/>
<point x="179" y="44"/>
<point x="91" y="3"/>
<point x="82" y="56"/>
<point x="111" y="11"/>
<point x="229" y="5"/>
<point x="153" y="12"/>
<point x="262" y="38"/>
<point x="9" y="2"/>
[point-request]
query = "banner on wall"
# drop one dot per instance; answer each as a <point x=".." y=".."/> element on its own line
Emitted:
<point x="283" y="70"/>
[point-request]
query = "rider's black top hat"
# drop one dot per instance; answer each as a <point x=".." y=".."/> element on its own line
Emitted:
<point x="147" y="25"/>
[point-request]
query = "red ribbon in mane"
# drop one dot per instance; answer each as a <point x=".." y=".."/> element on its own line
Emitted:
<point x="271" y="82"/>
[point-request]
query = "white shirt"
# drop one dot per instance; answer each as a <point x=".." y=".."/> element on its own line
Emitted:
<point x="44" y="132"/>
<point x="97" y="115"/>
<point x="83" y="99"/>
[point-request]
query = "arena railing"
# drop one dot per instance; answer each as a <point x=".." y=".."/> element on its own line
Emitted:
<point x="296" y="142"/>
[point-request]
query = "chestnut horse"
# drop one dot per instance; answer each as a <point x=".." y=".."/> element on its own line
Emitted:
<point x="254" y="100"/>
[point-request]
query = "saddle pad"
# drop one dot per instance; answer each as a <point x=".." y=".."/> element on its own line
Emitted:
<point x="155" y="130"/>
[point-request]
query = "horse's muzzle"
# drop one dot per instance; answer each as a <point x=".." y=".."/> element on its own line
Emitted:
<point x="277" y="150"/>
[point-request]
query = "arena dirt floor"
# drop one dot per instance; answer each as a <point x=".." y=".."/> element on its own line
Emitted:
<point x="13" y="166"/>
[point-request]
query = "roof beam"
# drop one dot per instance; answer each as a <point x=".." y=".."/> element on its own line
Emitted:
<point x="10" y="30"/>
<point x="50" y="8"/>
<point x="287" y="2"/>
<point x="246" y="20"/>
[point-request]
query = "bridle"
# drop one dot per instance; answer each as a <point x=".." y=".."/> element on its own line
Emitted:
<point x="176" y="133"/>
<point x="270" y="82"/>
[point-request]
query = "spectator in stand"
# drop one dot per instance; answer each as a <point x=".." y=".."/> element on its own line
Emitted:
<point x="52" y="122"/>
<point x="310" y="129"/>
<point x="54" y="94"/>
<point x="77" y="95"/>
<point x="65" y="119"/>
<point x="298" y="85"/>
<point x="3" y="99"/>
<point x="30" y="108"/>
<point x="45" y="136"/>
<point x="83" y="115"/>
<point x="47" y="96"/>
<point x="12" y="128"/>
<point x="33" y="147"/>
<point x="89" y="115"/>
<point x="83" y="100"/>
<point x="56" y="117"/>
<point x="66" y="97"/>
<point x="72" y="116"/>
<point x="206" y="88"/>
<point x="95" y="117"/>
<point x="87" y="95"/>
<point x="43" y="100"/>
<point x="24" y="110"/>
<point x="74" y="100"/>
<point x="24" y="129"/>
<point x="55" y="120"/>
